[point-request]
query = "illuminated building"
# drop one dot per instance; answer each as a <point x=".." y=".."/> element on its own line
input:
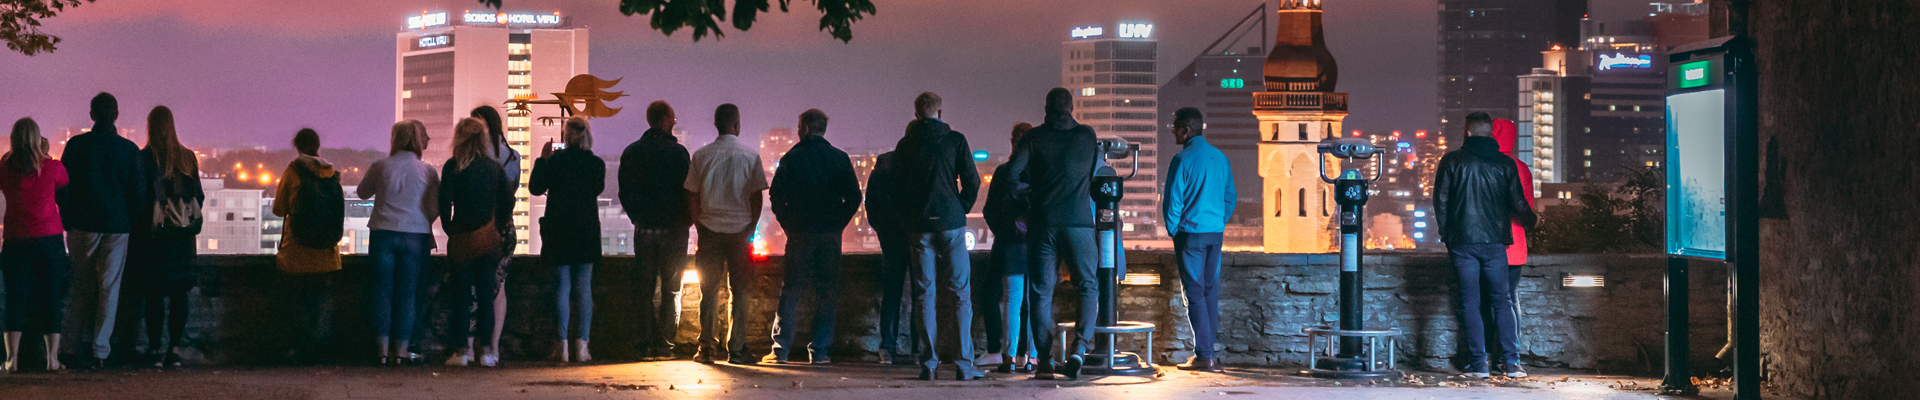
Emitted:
<point x="1220" y="82"/>
<point x="1112" y="71"/>
<point x="232" y="220"/>
<point x="1296" y="110"/>
<point x="1591" y="111"/>
<point x="449" y="63"/>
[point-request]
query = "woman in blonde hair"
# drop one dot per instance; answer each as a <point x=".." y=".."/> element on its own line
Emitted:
<point x="161" y="268"/>
<point x="475" y="198"/>
<point x="405" y="194"/>
<point x="572" y="178"/>
<point x="33" y="253"/>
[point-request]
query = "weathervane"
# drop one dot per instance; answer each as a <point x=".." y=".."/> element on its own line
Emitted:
<point x="586" y="96"/>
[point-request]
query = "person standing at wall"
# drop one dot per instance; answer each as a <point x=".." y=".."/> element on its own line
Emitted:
<point x="1508" y="136"/>
<point x="405" y="191"/>
<point x="724" y="184"/>
<point x="1009" y="344"/>
<point x="1199" y="197"/>
<point x="884" y="215"/>
<point x="572" y="178"/>
<point x="163" y="246"/>
<point x="939" y="185"/>
<point x="814" y="194"/>
<point x="97" y="210"/>
<point x="1477" y="196"/>
<point x="31" y="255"/>
<point x="475" y="198"/>
<point x="310" y="199"/>
<point x="1056" y="161"/>
<point x="651" y="172"/>
<point x="510" y="163"/>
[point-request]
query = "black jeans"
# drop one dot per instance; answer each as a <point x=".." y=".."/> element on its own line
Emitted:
<point x="1483" y="272"/>
<point x="812" y="263"/>
<point x="1199" y="257"/>
<point x="722" y="259"/>
<point x="37" y="278"/>
<point x="311" y="312"/>
<point x="660" y="263"/>
<point x="473" y="288"/>
<point x="1046" y="248"/>
<point x="894" y="249"/>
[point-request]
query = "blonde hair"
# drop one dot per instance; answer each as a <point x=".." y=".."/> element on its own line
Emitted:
<point x="164" y="142"/>
<point x="470" y="142"/>
<point x="408" y="136"/>
<point x="29" y="148"/>
<point x="577" y="135"/>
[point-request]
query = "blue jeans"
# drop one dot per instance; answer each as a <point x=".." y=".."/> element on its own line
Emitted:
<point x="397" y="260"/>
<point x="1199" y="257"/>
<point x="1047" y="248"/>
<point x="1006" y="312"/>
<point x="1483" y="275"/>
<point x="576" y="283"/>
<point x="99" y="261"/>
<point x="812" y="262"/>
<point x="928" y="247"/>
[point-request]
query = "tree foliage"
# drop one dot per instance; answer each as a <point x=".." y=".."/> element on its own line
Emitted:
<point x="1629" y="218"/>
<point x="20" y="24"/>
<point x="704" y="16"/>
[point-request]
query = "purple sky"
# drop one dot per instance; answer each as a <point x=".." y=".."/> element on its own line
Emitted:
<point x="241" y="73"/>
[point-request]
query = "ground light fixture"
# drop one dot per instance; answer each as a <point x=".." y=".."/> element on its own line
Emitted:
<point x="1570" y="280"/>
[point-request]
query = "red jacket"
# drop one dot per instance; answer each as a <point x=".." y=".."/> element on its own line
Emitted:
<point x="1505" y="133"/>
<point x="31" y="210"/>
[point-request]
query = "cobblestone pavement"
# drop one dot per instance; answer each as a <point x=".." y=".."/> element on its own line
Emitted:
<point x="683" y="379"/>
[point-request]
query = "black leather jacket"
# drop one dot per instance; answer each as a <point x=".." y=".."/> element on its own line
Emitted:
<point x="1477" y="195"/>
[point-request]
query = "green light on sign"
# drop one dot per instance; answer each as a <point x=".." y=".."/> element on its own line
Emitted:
<point x="979" y="156"/>
<point x="1696" y="74"/>
<point x="1234" y="83"/>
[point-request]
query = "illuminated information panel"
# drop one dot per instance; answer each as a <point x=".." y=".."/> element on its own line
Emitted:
<point x="1696" y="160"/>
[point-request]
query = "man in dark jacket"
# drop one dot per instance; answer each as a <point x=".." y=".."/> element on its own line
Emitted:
<point x="1056" y="160"/>
<point x="939" y="186"/>
<point x="651" y="172"/>
<point x="98" y="209"/>
<point x="1476" y="198"/>
<point x="815" y="193"/>
<point x="883" y="214"/>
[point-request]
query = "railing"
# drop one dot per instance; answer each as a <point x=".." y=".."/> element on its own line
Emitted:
<point x="1300" y="101"/>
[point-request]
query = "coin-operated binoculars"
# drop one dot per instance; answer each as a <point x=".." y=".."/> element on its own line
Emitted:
<point x="1108" y="189"/>
<point x="1358" y="349"/>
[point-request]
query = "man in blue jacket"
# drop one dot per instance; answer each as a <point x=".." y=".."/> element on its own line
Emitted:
<point x="1199" y="196"/>
<point x="814" y="194"/>
<point x="97" y="210"/>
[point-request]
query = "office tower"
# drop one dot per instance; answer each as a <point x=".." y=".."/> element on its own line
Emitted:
<point x="1113" y="76"/>
<point x="1220" y="82"/>
<point x="1484" y="44"/>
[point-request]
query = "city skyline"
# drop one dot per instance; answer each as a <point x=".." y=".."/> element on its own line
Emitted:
<point x="250" y="74"/>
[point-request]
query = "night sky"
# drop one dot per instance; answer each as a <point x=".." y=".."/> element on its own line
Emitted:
<point x="239" y="73"/>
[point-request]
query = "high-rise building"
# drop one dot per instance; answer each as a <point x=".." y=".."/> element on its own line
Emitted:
<point x="448" y="64"/>
<point x="232" y="220"/>
<point x="1113" y="74"/>
<point x="1220" y="82"/>
<point x="1588" y="112"/>
<point x="1296" y="110"/>
<point x="1485" y="43"/>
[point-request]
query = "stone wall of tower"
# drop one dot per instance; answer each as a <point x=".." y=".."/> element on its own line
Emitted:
<point x="1298" y="218"/>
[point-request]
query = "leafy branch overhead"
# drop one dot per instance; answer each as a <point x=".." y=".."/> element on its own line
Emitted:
<point x="704" y="16"/>
<point x="20" y="23"/>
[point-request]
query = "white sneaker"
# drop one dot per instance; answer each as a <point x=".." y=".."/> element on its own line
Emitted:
<point x="490" y="360"/>
<point x="460" y="359"/>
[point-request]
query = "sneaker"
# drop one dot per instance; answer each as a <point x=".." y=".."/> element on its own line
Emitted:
<point x="777" y="357"/>
<point x="990" y="359"/>
<point x="926" y="374"/>
<point x="1072" y="369"/>
<point x="1514" y="370"/>
<point x="490" y="360"/>
<point x="821" y="359"/>
<point x="1478" y="369"/>
<point x="742" y="359"/>
<point x="967" y="374"/>
<point x="460" y="359"/>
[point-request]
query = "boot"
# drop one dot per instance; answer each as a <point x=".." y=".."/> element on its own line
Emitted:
<point x="562" y="352"/>
<point x="580" y="351"/>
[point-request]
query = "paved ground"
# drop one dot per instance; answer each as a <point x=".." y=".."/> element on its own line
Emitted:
<point x="683" y="379"/>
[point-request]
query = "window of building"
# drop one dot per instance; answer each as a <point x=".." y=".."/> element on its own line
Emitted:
<point x="213" y="202"/>
<point x="1303" y="131"/>
<point x="1303" y="202"/>
<point x="229" y="216"/>
<point x="213" y="244"/>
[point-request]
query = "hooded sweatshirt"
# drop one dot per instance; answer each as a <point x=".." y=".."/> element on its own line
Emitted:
<point x="1507" y="135"/>
<point x="1056" y="161"/>
<point x="292" y="256"/>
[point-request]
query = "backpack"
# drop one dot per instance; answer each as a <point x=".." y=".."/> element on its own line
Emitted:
<point x="318" y="213"/>
<point x="174" y="213"/>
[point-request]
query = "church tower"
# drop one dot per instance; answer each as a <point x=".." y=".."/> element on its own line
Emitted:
<point x="1298" y="108"/>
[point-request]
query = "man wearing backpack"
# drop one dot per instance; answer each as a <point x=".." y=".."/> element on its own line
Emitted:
<point x="97" y="209"/>
<point x="310" y="199"/>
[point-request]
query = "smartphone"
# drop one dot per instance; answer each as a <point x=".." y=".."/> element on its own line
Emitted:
<point x="559" y="146"/>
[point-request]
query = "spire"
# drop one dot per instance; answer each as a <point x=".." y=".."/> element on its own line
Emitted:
<point x="1299" y="4"/>
<point x="1300" y="61"/>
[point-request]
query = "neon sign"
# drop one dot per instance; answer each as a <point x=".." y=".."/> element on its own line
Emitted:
<point x="1135" y="31"/>
<point x="434" y="41"/>
<point x="1087" y="32"/>
<point x="511" y="19"/>
<point x="1233" y="83"/>
<point x="426" y="20"/>
<point x="1618" y="60"/>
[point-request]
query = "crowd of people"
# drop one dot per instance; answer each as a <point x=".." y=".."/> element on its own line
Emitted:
<point x="130" y="215"/>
